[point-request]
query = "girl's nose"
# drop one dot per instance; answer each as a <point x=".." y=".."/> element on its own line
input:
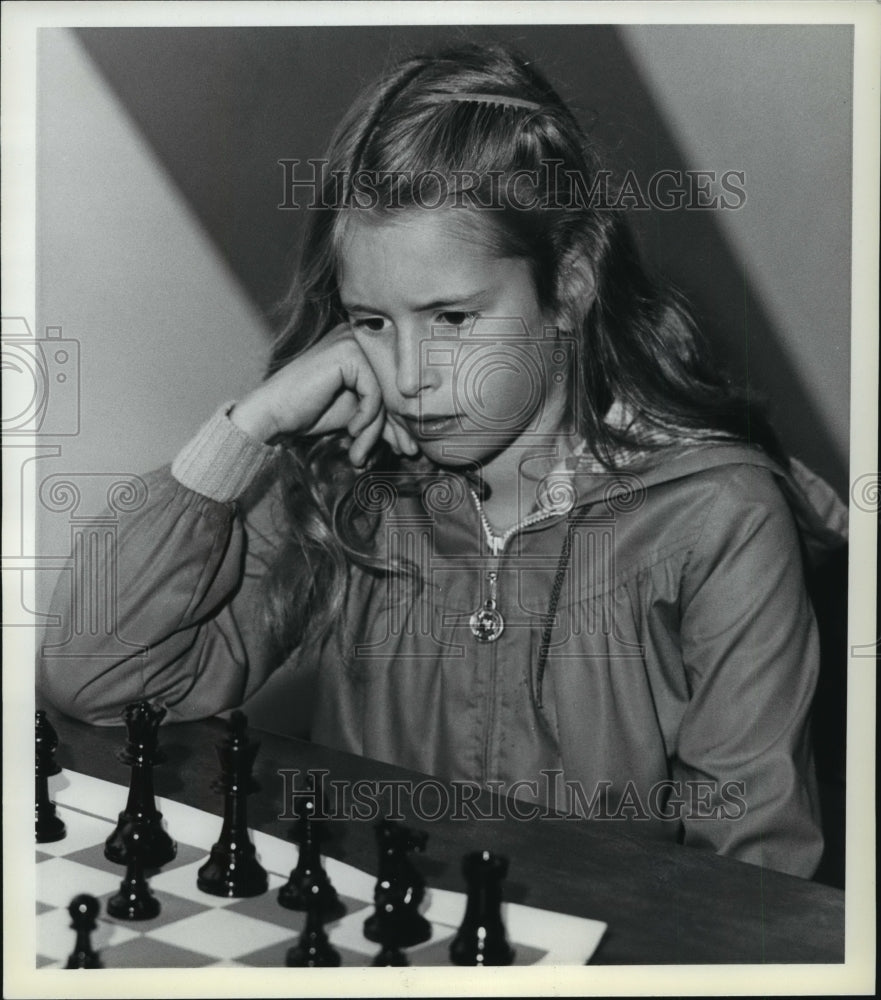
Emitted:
<point x="413" y="374"/>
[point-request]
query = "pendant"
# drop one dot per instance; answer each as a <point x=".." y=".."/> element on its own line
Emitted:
<point x="487" y="623"/>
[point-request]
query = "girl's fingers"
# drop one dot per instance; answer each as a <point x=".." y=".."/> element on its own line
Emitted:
<point x="339" y="414"/>
<point x="388" y="434"/>
<point x="359" y="407"/>
<point x="366" y="440"/>
<point x="364" y="383"/>
<point x="405" y="443"/>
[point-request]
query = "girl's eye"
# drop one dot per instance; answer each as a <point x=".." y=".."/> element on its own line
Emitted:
<point x="457" y="318"/>
<point x="373" y="324"/>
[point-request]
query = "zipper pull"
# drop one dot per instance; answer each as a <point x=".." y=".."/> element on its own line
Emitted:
<point x="487" y="623"/>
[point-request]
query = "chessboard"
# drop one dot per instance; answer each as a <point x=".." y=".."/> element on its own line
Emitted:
<point x="197" y="930"/>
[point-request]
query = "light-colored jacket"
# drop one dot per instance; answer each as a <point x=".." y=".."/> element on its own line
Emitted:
<point x="676" y="692"/>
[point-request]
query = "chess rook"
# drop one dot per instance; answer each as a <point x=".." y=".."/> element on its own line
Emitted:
<point x="309" y="883"/>
<point x="232" y="868"/>
<point x="140" y="822"/>
<point x="481" y="939"/>
<point x="83" y="912"/>
<point x="396" y="921"/>
<point x="49" y="827"/>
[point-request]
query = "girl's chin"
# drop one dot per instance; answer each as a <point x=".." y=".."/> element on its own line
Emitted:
<point x="460" y="451"/>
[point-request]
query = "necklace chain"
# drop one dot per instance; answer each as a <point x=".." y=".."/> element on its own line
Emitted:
<point x="487" y="622"/>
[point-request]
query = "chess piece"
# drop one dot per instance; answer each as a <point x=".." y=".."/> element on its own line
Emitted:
<point x="481" y="940"/>
<point x="134" y="901"/>
<point x="313" y="950"/>
<point x="389" y="955"/>
<point x="400" y="888"/>
<point x="140" y="822"/>
<point x="232" y="868"/>
<point x="309" y="881"/>
<point x="83" y="912"/>
<point x="49" y="827"/>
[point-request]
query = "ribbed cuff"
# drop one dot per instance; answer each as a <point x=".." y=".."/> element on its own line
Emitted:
<point x="222" y="461"/>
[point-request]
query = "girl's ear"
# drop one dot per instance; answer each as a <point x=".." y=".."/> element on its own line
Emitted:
<point x="575" y="292"/>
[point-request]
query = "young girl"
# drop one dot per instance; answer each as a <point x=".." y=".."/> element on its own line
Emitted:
<point x="492" y="495"/>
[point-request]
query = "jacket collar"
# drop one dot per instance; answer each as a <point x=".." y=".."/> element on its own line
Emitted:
<point x="579" y="483"/>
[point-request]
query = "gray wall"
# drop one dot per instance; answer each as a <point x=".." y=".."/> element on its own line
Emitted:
<point x="776" y="104"/>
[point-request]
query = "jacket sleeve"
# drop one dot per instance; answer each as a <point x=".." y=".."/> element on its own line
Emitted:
<point x="182" y="584"/>
<point x="751" y="652"/>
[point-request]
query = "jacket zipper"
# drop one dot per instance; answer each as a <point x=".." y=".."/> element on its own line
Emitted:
<point x="496" y="544"/>
<point x="492" y="580"/>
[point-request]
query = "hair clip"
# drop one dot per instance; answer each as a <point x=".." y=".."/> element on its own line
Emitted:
<point x="497" y="100"/>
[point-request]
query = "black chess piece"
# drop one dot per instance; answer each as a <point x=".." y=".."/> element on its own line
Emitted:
<point x="400" y="888"/>
<point x="309" y="882"/>
<point x="481" y="940"/>
<point x="141" y="822"/>
<point x="389" y="955"/>
<point x="232" y="868"/>
<point x="134" y="901"/>
<point x="83" y="912"/>
<point x="49" y="827"/>
<point x="313" y="950"/>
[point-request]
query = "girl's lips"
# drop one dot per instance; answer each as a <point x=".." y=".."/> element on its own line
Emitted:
<point x="430" y="426"/>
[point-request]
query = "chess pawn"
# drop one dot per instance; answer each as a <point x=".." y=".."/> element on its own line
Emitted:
<point x="400" y="888"/>
<point x="49" y="827"/>
<point x="83" y="912"/>
<point x="481" y="940"/>
<point x="140" y="821"/>
<point x="232" y="868"/>
<point x="134" y="901"/>
<point x="313" y="950"/>
<point x="309" y="882"/>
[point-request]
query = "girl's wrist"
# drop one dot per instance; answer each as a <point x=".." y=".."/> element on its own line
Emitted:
<point x="222" y="460"/>
<point x="253" y="419"/>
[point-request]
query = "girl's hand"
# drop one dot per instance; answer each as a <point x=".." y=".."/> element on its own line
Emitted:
<point x="328" y="388"/>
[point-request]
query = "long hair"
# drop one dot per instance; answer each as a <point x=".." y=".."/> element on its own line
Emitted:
<point x="467" y="122"/>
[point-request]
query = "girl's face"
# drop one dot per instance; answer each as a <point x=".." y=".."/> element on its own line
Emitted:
<point x="466" y="358"/>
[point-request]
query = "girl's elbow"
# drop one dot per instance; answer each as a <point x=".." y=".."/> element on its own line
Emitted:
<point x="62" y="687"/>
